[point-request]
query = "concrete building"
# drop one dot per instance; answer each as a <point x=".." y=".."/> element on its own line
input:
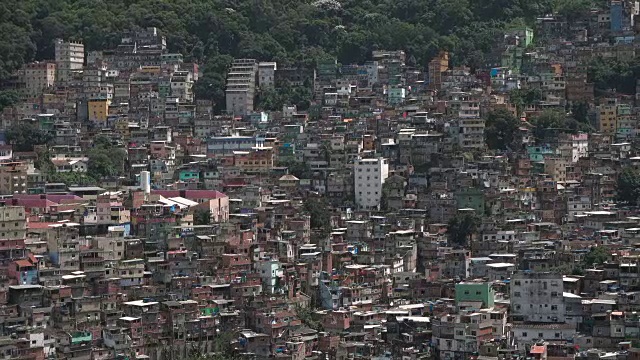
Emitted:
<point x="69" y="58"/>
<point x="13" y="177"/>
<point x="270" y="272"/>
<point x="537" y="297"/>
<point x="369" y="176"/>
<point x="226" y="145"/>
<point x="98" y="110"/>
<point x="471" y="133"/>
<point x="606" y="118"/>
<point x="38" y="76"/>
<point x="241" y="86"/>
<point x="182" y="85"/>
<point x="481" y="293"/>
<point x="266" y="74"/>
<point x="13" y="222"/>
<point x="437" y="66"/>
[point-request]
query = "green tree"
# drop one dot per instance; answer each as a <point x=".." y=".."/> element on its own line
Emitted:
<point x="320" y="213"/>
<point x="616" y="74"/>
<point x="384" y="196"/>
<point x="501" y="129"/>
<point x="461" y="227"/>
<point x="573" y="9"/>
<point x="201" y="217"/>
<point x="596" y="255"/>
<point x="43" y="161"/>
<point x="525" y="97"/>
<point x="309" y="317"/>
<point x="24" y="136"/>
<point x="275" y="99"/>
<point x="580" y="112"/>
<point x="628" y="186"/>
<point x="105" y="160"/>
<point x="71" y="178"/>
<point x="297" y="169"/>
<point x="293" y="33"/>
<point x="547" y="125"/>
<point x="223" y="349"/>
<point x="8" y="98"/>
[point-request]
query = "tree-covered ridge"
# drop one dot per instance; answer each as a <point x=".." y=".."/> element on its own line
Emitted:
<point x="287" y="31"/>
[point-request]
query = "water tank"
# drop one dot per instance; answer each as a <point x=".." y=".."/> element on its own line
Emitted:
<point x="145" y="181"/>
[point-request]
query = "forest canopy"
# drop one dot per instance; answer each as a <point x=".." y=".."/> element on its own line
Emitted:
<point x="291" y="32"/>
<point x="287" y="31"/>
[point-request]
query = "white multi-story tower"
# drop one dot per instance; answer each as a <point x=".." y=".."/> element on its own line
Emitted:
<point x="537" y="297"/>
<point x="69" y="58"/>
<point x="241" y="86"/>
<point x="369" y="176"/>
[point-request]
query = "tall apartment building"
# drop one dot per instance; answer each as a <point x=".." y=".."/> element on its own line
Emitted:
<point x="13" y="223"/>
<point x="38" y="76"/>
<point x="369" y="176"/>
<point x="436" y="67"/>
<point x="94" y="86"/>
<point x="241" y="86"/>
<point x="69" y="58"/>
<point x="182" y="85"/>
<point x="537" y="297"/>
<point x="606" y="117"/>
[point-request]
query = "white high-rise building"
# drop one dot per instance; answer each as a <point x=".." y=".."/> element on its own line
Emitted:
<point x="241" y="86"/>
<point x="369" y="176"/>
<point x="69" y="58"/>
<point x="537" y="297"/>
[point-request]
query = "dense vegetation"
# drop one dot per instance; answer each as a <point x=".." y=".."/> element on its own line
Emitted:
<point x="617" y="75"/>
<point x="628" y="186"/>
<point x="461" y="227"/>
<point x="25" y="136"/>
<point x="291" y="32"/>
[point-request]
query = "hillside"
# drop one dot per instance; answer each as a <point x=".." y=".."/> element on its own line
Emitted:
<point x="288" y="31"/>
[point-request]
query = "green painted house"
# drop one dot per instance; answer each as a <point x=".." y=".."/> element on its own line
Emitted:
<point x="187" y="175"/>
<point x="475" y="291"/>
<point x="470" y="198"/>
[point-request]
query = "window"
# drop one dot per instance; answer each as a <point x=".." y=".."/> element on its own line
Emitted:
<point x="554" y="307"/>
<point x="516" y="294"/>
<point x="524" y="334"/>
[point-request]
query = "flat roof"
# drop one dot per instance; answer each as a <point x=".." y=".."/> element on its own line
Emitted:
<point x="85" y="188"/>
<point x="500" y="265"/>
<point x="140" y="303"/>
<point x="129" y="318"/>
<point x="24" y="287"/>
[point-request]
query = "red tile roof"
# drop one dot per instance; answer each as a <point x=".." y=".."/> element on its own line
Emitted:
<point x="39" y="225"/>
<point x="35" y="203"/>
<point x="23" y="263"/>
<point x="536" y="349"/>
